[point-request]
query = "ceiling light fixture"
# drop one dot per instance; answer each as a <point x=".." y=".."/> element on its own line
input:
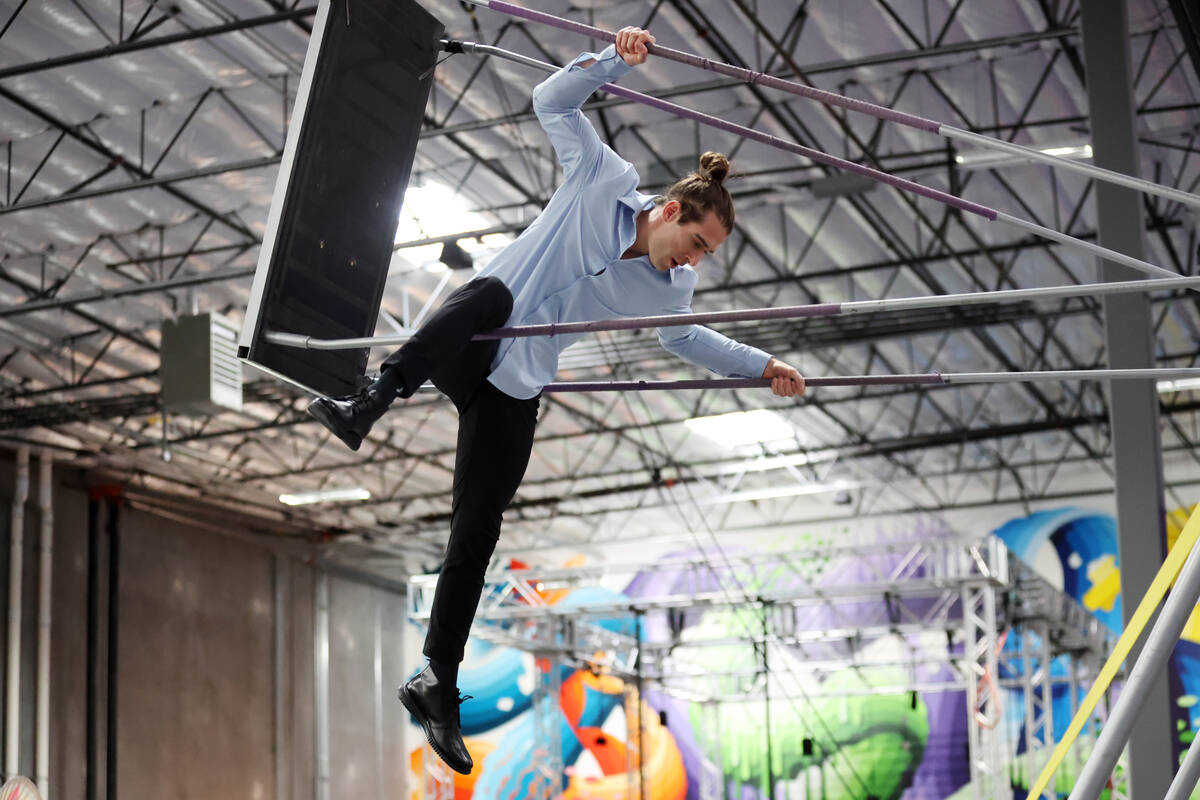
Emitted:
<point x="1181" y="385"/>
<point x="325" y="496"/>
<point x="743" y="428"/>
<point x="986" y="159"/>
<point x="431" y="210"/>
<point x="770" y="493"/>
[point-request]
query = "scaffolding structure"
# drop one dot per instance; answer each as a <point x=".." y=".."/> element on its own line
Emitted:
<point x="825" y="605"/>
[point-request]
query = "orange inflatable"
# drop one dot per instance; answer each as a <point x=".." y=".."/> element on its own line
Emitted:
<point x="464" y="785"/>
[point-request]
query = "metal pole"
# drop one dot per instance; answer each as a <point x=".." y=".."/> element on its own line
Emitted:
<point x="321" y="684"/>
<point x="1087" y="247"/>
<point x="12" y="724"/>
<point x="1080" y="167"/>
<point x="112" y="631"/>
<point x="933" y="378"/>
<point x="747" y="315"/>
<point x="1148" y="668"/>
<point x="45" y="609"/>
<point x="1185" y="780"/>
<point x="378" y="676"/>
<point x="1130" y="341"/>
<point x="278" y="655"/>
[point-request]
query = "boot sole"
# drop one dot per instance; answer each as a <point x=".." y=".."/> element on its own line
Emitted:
<point x="321" y="415"/>
<point x="410" y="704"/>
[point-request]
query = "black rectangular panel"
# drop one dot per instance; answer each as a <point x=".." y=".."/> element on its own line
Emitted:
<point x="329" y="258"/>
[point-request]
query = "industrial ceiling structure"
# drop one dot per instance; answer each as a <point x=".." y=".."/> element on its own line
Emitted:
<point x="140" y="144"/>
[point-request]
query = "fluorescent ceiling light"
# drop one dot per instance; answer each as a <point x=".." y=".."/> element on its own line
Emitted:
<point x="325" y="496"/>
<point x="1070" y="151"/>
<point x="763" y="463"/>
<point x="794" y="490"/>
<point x="743" y="428"/>
<point x="1181" y="385"/>
<point x="982" y="159"/>
<point x="434" y="209"/>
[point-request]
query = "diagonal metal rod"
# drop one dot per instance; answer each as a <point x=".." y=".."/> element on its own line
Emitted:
<point x="900" y="184"/>
<point x="757" y="314"/>
<point x="1187" y="776"/>
<point x="831" y="98"/>
<point x="927" y="378"/>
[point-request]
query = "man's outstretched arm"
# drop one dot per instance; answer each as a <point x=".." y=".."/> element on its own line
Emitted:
<point x="557" y="99"/>
<point x="706" y="348"/>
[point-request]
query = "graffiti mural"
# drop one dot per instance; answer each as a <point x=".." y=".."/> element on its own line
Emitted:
<point x="841" y="734"/>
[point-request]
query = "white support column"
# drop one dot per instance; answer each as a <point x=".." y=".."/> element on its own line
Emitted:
<point x="45" y="609"/>
<point x="321" y="684"/>
<point x="12" y="724"/>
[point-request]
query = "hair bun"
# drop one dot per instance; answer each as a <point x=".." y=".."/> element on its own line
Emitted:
<point x="714" y="167"/>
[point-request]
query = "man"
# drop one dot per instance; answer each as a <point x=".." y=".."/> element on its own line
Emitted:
<point x="599" y="249"/>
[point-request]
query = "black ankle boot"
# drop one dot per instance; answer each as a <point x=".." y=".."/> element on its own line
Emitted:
<point x="350" y="418"/>
<point x="435" y="707"/>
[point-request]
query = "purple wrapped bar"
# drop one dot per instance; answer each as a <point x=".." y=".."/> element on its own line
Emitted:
<point x="661" y="321"/>
<point x="741" y="73"/>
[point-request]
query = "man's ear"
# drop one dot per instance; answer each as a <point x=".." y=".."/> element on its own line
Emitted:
<point x="670" y="210"/>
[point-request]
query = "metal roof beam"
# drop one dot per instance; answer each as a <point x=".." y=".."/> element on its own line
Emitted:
<point x="131" y="46"/>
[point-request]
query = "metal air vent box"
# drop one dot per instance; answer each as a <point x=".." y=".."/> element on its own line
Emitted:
<point x="200" y="370"/>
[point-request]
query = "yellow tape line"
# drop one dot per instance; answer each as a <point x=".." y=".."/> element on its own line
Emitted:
<point x="1133" y="631"/>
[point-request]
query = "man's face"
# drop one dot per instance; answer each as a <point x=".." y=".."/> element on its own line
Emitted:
<point x="674" y="244"/>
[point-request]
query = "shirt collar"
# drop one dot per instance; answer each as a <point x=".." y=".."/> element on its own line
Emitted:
<point x="638" y="201"/>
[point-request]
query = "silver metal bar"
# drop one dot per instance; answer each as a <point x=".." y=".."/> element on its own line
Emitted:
<point x="1087" y="247"/>
<point x="1146" y="670"/>
<point x="786" y="312"/>
<point x="1011" y="295"/>
<point x="1091" y="170"/>
<point x="1187" y="776"/>
<point x="1072" y="375"/>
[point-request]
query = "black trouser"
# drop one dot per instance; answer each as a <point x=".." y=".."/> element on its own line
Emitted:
<point x="495" y="435"/>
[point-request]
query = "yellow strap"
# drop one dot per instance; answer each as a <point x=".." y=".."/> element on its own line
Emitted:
<point x="1133" y="631"/>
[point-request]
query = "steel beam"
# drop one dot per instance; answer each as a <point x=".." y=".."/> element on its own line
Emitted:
<point x="1129" y="339"/>
<point x="131" y="46"/>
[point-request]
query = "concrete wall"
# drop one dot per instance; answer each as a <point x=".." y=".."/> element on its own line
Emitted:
<point x="215" y="690"/>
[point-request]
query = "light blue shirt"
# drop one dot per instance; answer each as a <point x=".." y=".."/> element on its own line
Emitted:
<point x="567" y="265"/>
